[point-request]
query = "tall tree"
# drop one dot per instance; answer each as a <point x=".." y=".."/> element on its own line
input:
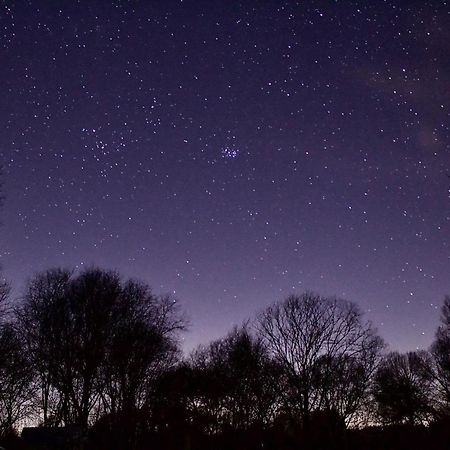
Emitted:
<point x="96" y="341"/>
<point x="440" y="350"/>
<point x="4" y="295"/>
<point x="2" y="196"/>
<point x="236" y="382"/>
<point x="16" y="387"/>
<point x="403" y="388"/>
<point x="309" y="331"/>
<point x="143" y="343"/>
<point x="343" y="383"/>
<point x="4" y="285"/>
<point x="41" y="325"/>
<point x="88" y="317"/>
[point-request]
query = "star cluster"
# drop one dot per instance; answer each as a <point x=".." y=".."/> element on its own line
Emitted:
<point x="233" y="152"/>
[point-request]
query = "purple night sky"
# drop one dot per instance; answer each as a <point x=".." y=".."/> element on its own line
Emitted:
<point x="233" y="152"/>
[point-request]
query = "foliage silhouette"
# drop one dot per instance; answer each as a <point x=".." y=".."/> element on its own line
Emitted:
<point x="326" y="350"/>
<point x="403" y="388"/>
<point x="97" y="359"/>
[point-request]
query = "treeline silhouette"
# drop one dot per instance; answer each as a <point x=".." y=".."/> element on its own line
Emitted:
<point x="102" y="355"/>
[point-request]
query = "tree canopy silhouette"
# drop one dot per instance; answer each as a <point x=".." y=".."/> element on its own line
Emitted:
<point x="97" y="342"/>
<point x="326" y="350"/>
<point x="101" y="356"/>
<point x="403" y="388"/>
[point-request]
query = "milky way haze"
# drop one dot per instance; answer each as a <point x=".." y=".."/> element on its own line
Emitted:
<point x="233" y="152"/>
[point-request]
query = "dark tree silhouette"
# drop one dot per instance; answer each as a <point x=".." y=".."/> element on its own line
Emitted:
<point x="440" y="350"/>
<point x="343" y="383"/>
<point x="4" y="295"/>
<point x="4" y="285"/>
<point x="101" y="355"/>
<point x="236" y="383"/>
<point x="311" y="337"/>
<point x="403" y="388"/>
<point x="143" y="345"/>
<point x="96" y="343"/>
<point x="41" y="326"/>
<point x="87" y="316"/>
<point x="2" y="195"/>
<point x="16" y="387"/>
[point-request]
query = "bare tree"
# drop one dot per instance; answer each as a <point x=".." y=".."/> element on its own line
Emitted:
<point x="308" y="331"/>
<point x="403" y="388"/>
<point x="96" y="343"/>
<point x="16" y="388"/>
<point x="2" y="195"/>
<point x="235" y="383"/>
<point x="440" y="350"/>
<point x="143" y="344"/>
<point x="4" y="285"/>
<point x="67" y="321"/>
<point x="40" y="324"/>
<point x="343" y="383"/>
<point x="4" y="295"/>
<point x="15" y="374"/>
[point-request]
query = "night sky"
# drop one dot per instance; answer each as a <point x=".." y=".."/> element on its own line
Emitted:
<point x="233" y="152"/>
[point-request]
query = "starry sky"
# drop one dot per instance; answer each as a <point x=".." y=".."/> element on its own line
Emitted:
<point x="233" y="152"/>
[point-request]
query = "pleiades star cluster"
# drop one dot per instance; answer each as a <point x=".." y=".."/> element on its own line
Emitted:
<point x="233" y="152"/>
